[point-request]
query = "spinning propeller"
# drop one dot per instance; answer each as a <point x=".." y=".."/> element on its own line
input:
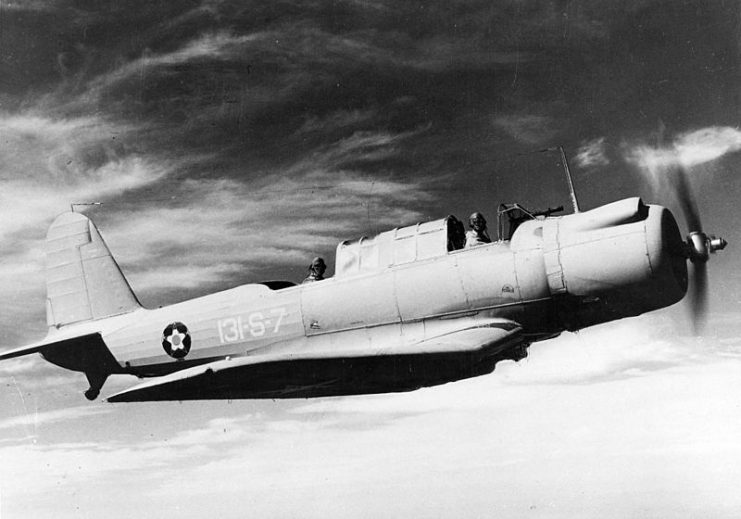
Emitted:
<point x="698" y="248"/>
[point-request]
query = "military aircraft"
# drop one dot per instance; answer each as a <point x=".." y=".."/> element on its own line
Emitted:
<point x="408" y="308"/>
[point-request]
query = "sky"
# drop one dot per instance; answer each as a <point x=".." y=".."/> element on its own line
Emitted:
<point x="230" y="142"/>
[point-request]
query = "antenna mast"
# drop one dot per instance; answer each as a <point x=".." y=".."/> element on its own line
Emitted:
<point x="568" y="179"/>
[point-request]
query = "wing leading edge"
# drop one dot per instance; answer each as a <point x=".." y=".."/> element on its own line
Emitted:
<point x="461" y="354"/>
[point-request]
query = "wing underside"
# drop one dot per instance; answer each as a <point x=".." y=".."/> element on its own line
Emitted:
<point x="461" y="354"/>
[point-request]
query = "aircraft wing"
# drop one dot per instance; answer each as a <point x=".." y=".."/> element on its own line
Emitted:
<point x="287" y="374"/>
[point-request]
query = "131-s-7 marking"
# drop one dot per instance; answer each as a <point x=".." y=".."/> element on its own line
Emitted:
<point x="256" y="324"/>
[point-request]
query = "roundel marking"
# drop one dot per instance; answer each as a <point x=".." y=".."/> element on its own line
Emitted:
<point x="176" y="340"/>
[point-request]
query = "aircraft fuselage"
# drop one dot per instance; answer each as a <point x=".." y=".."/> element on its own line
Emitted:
<point x="377" y="312"/>
<point x="403" y="310"/>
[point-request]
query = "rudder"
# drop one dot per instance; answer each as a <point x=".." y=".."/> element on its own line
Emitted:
<point x="83" y="281"/>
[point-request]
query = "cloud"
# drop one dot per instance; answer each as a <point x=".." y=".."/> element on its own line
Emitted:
<point x="592" y="154"/>
<point x="228" y="227"/>
<point x="29" y="5"/>
<point x="677" y="170"/>
<point x="280" y="215"/>
<point x="37" y="419"/>
<point x="217" y="73"/>
<point x="687" y="150"/>
<point x="638" y="435"/>
<point x="627" y="348"/>
<point x="528" y="128"/>
<point x="21" y="365"/>
<point x="213" y="46"/>
<point x="90" y="464"/>
<point x="706" y="144"/>
<point x="283" y="218"/>
<point x="336" y="120"/>
<point x="48" y="163"/>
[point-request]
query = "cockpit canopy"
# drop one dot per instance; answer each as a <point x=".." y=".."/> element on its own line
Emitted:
<point x="399" y="246"/>
<point x="422" y="241"/>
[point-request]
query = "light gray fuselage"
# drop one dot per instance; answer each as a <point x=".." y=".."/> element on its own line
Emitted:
<point x="372" y="312"/>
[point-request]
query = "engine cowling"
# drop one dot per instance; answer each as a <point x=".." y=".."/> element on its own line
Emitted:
<point x="619" y="260"/>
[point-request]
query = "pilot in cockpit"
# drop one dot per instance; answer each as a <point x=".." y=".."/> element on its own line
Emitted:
<point x="478" y="234"/>
<point x="316" y="270"/>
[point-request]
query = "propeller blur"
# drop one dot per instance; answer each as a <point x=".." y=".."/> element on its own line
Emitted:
<point x="699" y="248"/>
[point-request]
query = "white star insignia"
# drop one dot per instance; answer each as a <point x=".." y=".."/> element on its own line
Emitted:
<point x="176" y="340"/>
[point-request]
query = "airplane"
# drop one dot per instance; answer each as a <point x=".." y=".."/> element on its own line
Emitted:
<point x="408" y="308"/>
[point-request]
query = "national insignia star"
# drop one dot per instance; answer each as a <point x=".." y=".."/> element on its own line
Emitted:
<point x="176" y="340"/>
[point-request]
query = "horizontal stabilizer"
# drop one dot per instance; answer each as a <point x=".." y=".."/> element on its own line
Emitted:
<point x="23" y="350"/>
<point x="86" y="353"/>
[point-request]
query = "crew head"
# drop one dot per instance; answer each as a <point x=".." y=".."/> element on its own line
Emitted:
<point x="477" y="222"/>
<point x="316" y="270"/>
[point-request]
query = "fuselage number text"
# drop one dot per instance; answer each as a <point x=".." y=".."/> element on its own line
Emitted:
<point x="256" y="324"/>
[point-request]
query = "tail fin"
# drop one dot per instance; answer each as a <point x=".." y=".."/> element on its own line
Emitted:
<point x="83" y="281"/>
